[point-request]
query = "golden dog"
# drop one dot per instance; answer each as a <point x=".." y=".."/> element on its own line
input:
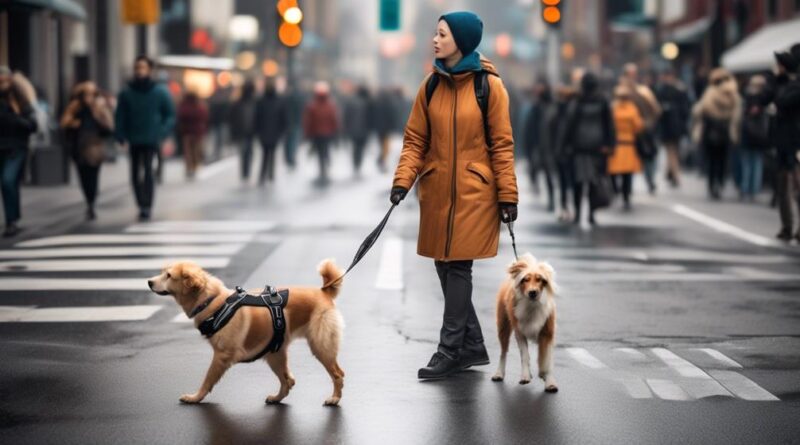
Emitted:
<point x="525" y="305"/>
<point x="310" y="313"/>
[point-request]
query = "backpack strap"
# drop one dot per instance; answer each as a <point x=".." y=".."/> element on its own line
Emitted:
<point x="430" y="87"/>
<point x="482" y="95"/>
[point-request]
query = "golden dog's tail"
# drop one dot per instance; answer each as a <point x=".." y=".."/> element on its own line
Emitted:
<point x="331" y="280"/>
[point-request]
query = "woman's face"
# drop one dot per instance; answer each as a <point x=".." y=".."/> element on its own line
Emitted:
<point x="443" y="44"/>
<point x="89" y="94"/>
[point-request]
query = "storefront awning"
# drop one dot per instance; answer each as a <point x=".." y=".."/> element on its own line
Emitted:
<point x="691" y="32"/>
<point x="756" y="53"/>
<point x="68" y="8"/>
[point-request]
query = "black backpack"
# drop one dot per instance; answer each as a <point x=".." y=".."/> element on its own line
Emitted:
<point x="481" y="94"/>
<point x="715" y="132"/>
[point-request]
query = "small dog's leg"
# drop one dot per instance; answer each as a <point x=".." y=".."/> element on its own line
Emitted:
<point x="279" y="362"/>
<point x="219" y="364"/>
<point x="525" y="355"/>
<point x="546" y="345"/>
<point x="504" y="335"/>
<point x="337" y="375"/>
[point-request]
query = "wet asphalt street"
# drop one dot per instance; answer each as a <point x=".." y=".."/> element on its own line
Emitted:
<point x="679" y="322"/>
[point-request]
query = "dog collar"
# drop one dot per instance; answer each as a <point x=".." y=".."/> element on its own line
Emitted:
<point x="200" y="308"/>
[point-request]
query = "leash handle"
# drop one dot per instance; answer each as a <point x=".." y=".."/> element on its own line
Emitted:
<point x="365" y="246"/>
<point x="510" y="225"/>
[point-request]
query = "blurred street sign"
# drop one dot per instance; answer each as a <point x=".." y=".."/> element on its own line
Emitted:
<point x="140" y="12"/>
<point x="390" y="15"/>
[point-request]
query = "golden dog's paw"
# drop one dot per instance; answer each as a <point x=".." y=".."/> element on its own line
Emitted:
<point x="273" y="400"/>
<point x="191" y="398"/>
<point x="551" y="388"/>
<point x="497" y="378"/>
<point x="524" y="381"/>
<point x="332" y="401"/>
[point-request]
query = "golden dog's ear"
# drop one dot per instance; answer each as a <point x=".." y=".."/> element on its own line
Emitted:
<point x="193" y="278"/>
<point x="516" y="267"/>
<point x="549" y="276"/>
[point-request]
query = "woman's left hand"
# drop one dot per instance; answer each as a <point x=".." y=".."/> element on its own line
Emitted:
<point x="508" y="212"/>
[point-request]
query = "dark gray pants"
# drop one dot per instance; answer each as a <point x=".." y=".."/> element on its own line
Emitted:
<point x="460" y="326"/>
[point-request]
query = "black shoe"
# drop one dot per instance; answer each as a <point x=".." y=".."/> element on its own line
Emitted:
<point x="439" y="367"/>
<point x="144" y="215"/>
<point x="473" y="356"/>
<point x="784" y="235"/>
<point x="90" y="214"/>
<point x="11" y="230"/>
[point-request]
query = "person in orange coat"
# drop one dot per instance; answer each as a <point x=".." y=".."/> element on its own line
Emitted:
<point x="467" y="184"/>
<point x="625" y="160"/>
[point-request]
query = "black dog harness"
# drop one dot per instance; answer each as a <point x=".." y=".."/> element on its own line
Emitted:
<point x="269" y="298"/>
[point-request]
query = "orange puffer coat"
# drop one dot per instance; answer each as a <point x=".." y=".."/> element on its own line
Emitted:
<point x="629" y="124"/>
<point x="461" y="179"/>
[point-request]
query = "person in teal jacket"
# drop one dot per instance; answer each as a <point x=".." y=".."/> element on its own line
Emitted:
<point x="145" y="116"/>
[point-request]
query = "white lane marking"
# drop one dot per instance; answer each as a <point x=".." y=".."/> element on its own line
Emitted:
<point x="104" y="265"/>
<point x="14" y="314"/>
<point x="743" y="387"/>
<point x="155" y="238"/>
<point x="216" y="168"/>
<point x="667" y="390"/>
<point x="721" y="226"/>
<point x="636" y="387"/>
<point x="701" y="388"/>
<point x="720" y="357"/>
<point x="585" y="358"/>
<point x="34" y="284"/>
<point x="390" y="269"/>
<point x="181" y="318"/>
<point x="121" y="251"/>
<point x="681" y="366"/>
<point x="219" y="226"/>
<point x="586" y="276"/>
<point x="633" y="353"/>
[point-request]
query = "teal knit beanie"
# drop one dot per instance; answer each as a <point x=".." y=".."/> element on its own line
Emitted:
<point x="467" y="29"/>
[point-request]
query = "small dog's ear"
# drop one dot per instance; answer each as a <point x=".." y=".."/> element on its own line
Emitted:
<point x="194" y="279"/>
<point x="549" y="275"/>
<point x="516" y="267"/>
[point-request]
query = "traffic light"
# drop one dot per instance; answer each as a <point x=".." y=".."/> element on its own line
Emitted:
<point x="140" y="12"/>
<point x="551" y="12"/>
<point x="289" y="33"/>
<point x="390" y="15"/>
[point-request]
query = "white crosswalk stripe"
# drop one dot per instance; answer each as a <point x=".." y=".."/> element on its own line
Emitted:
<point x="121" y="251"/>
<point x="743" y="387"/>
<point x="722" y="358"/>
<point x="202" y="227"/>
<point x="93" y="265"/>
<point x="667" y="390"/>
<point x="681" y="366"/>
<point x="84" y="284"/>
<point x="585" y="358"/>
<point x="76" y="314"/>
<point x="137" y="239"/>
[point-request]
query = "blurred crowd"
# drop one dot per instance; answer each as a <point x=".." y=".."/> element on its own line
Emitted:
<point x="587" y="138"/>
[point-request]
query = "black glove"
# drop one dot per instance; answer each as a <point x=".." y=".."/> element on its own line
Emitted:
<point x="398" y="194"/>
<point x="508" y="212"/>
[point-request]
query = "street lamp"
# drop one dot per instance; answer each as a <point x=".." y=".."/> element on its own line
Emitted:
<point x="293" y="15"/>
<point x="670" y="51"/>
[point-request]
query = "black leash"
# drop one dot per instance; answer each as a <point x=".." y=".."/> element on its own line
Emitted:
<point x="365" y="246"/>
<point x="513" y="238"/>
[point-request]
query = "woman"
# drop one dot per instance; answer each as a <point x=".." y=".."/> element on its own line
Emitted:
<point x="563" y="157"/>
<point x="540" y="128"/>
<point x="17" y="122"/>
<point x="358" y="125"/>
<point x="464" y="183"/>
<point x="192" y="127"/>
<point x="589" y="136"/>
<point x="271" y="124"/>
<point x="87" y="122"/>
<point x="321" y="123"/>
<point x="715" y="125"/>
<point x="625" y="161"/>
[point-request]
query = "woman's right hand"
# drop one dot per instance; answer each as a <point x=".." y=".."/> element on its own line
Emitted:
<point x="397" y="195"/>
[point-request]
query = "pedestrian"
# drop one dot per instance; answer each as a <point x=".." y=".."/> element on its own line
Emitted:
<point x="88" y="122"/>
<point x="17" y="123"/>
<point x="145" y="116"/>
<point x="321" y="124"/>
<point x="786" y="138"/>
<point x="385" y="115"/>
<point x="625" y="160"/>
<point x="219" y="108"/>
<point x="192" y="126"/>
<point x="650" y="110"/>
<point x="467" y="184"/>
<point x="271" y="123"/>
<point x="562" y="154"/>
<point x="358" y="124"/>
<point x="589" y="137"/>
<point x="293" y="100"/>
<point x="672" y="125"/>
<point x="241" y="122"/>
<point x="540" y="131"/>
<point x="755" y="136"/>
<point x="715" y="125"/>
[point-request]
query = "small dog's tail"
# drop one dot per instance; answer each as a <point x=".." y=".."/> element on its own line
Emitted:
<point x="331" y="281"/>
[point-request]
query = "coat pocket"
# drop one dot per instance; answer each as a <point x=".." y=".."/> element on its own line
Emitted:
<point x="423" y="186"/>
<point x="479" y="183"/>
<point x="480" y="171"/>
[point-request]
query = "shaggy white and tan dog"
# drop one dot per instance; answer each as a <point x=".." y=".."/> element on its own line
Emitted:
<point x="525" y="306"/>
<point x="310" y="313"/>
